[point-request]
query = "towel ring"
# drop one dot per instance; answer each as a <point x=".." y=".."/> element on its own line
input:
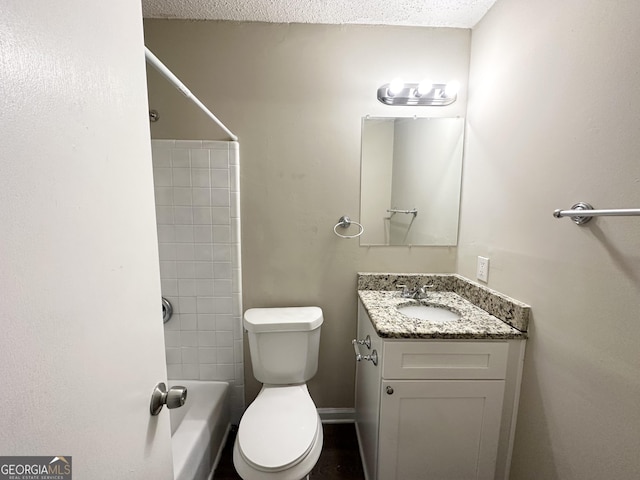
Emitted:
<point x="346" y="222"/>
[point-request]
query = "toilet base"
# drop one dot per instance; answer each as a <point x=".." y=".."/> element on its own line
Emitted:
<point x="299" y="471"/>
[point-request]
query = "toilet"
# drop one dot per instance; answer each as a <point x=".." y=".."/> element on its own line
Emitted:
<point x="280" y="433"/>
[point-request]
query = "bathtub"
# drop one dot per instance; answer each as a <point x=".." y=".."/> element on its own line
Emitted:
<point x="199" y="429"/>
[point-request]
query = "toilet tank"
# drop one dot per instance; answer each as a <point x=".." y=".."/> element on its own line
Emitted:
<point x="284" y="343"/>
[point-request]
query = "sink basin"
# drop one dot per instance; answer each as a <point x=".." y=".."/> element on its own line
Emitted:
<point x="433" y="313"/>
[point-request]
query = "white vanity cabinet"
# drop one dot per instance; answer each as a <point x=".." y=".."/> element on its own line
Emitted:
<point x="436" y="409"/>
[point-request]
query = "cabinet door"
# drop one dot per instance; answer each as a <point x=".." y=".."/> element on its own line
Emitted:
<point x="439" y="429"/>
<point x="368" y="397"/>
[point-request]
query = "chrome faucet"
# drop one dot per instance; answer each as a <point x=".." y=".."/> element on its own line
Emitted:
<point x="417" y="293"/>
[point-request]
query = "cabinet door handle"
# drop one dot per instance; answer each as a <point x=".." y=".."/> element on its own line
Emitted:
<point x="366" y="342"/>
<point x="389" y="390"/>
<point x="359" y="357"/>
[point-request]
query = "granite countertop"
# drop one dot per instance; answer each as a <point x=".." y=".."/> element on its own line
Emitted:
<point x="475" y="322"/>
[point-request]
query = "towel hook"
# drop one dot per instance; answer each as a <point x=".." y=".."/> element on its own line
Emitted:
<point x="345" y="222"/>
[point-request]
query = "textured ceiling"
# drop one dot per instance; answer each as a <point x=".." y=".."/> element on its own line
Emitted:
<point x="426" y="13"/>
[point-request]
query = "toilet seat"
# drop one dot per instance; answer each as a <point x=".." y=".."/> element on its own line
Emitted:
<point x="279" y="428"/>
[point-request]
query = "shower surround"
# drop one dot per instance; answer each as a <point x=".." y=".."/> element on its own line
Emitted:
<point x="198" y="217"/>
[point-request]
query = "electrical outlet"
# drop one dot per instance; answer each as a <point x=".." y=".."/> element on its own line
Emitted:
<point x="483" y="269"/>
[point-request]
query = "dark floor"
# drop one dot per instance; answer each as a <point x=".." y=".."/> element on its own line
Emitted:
<point x="339" y="460"/>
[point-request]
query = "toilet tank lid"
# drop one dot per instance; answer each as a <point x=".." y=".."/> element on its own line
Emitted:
<point x="285" y="319"/>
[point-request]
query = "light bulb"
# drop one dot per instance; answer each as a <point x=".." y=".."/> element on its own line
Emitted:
<point x="451" y="90"/>
<point x="424" y="87"/>
<point x="396" y="86"/>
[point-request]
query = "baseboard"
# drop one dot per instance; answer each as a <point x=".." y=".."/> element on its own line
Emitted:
<point x="337" y="415"/>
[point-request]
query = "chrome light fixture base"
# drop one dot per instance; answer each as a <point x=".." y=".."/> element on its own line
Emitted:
<point x="410" y="96"/>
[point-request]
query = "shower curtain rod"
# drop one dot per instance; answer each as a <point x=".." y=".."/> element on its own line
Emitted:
<point x="175" y="81"/>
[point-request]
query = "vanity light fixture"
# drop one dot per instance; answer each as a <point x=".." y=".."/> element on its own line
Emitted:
<point x="424" y="93"/>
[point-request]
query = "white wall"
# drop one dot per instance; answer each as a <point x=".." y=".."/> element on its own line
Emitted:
<point x="552" y="120"/>
<point x="198" y="216"/>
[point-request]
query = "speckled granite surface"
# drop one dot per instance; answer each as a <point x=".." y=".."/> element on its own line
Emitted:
<point x="485" y="313"/>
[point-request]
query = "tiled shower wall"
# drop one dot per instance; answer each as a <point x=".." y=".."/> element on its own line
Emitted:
<point x="198" y="216"/>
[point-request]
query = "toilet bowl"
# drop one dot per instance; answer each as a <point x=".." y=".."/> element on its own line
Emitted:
<point x="280" y="433"/>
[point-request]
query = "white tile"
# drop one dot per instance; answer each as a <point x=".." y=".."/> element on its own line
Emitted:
<point x="188" y="305"/>
<point x="200" y="158"/>
<point x="221" y="216"/>
<point x="188" y="322"/>
<point x="204" y="270"/>
<point x="235" y="230"/>
<point x="189" y="144"/>
<point x="164" y="195"/>
<point x="188" y="339"/>
<point x="205" y="287"/>
<point x="223" y="305"/>
<point x="185" y="269"/>
<point x="236" y="304"/>
<point x="203" y="234"/>
<point x="200" y="177"/>
<point x="238" y="353"/>
<point x="225" y="355"/>
<point x="201" y="197"/>
<point x="234" y="156"/>
<point x="207" y="339"/>
<point x="180" y="158"/>
<point x="182" y="196"/>
<point x="166" y="234"/>
<point x="167" y="251"/>
<point x="224" y="323"/>
<point x="184" y="233"/>
<point x="183" y="215"/>
<point x="238" y="331"/>
<point x="203" y="252"/>
<point x="221" y="270"/>
<point x="222" y="288"/>
<point x="202" y="215"/>
<point x="221" y="233"/>
<point x="169" y="287"/>
<point x="206" y="305"/>
<point x="162" y="177"/>
<point x="234" y="178"/>
<point x="220" y="197"/>
<point x="219" y="158"/>
<point x="171" y="339"/>
<point x="236" y="280"/>
<point x="207" y="355"/>
<point x="181" y="177"/>
<point x="226" y="372"/>
<point x="174" y="323"/>
<point x="220" y="178"/>
<point x="234" y="203"/>
<point x="174" y="372"/>
<point x="168" y="270"/>
<point x="164" y="215"/>
<point x="222" y="253"/>
<point x="173" y="355"/>
<point x="163" y="143"/>
<point x="224" y="339"/>
<point x="190" y="371"/>
<point x="209" y="371"/>
<point x="160" y="156"/>
<point x="189" y="354"/>
<point x="206" y="321"/>
<point x="239" y="372"/>
<point x="184" y="251"/>
<point x="235" y="254"/>
<point x="187" y="287"/>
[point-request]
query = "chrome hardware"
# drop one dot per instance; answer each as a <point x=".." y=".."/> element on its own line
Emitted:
<point x="389" y="390"/>
<point x="366" y="342"/>
<point x="345" y="222"/>
<point x="154" y="116"/>
<point x="416" y="293"/>
<point x="582" y="212"/>
<point x="167" y="310"/>
<point x="373" y="357"/>
<point x="174" y="398"/>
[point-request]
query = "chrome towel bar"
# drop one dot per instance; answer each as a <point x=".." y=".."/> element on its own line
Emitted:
<point x="582" y="213"/>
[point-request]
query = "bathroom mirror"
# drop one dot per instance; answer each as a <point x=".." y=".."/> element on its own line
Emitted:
<point x="411" y="171"/>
